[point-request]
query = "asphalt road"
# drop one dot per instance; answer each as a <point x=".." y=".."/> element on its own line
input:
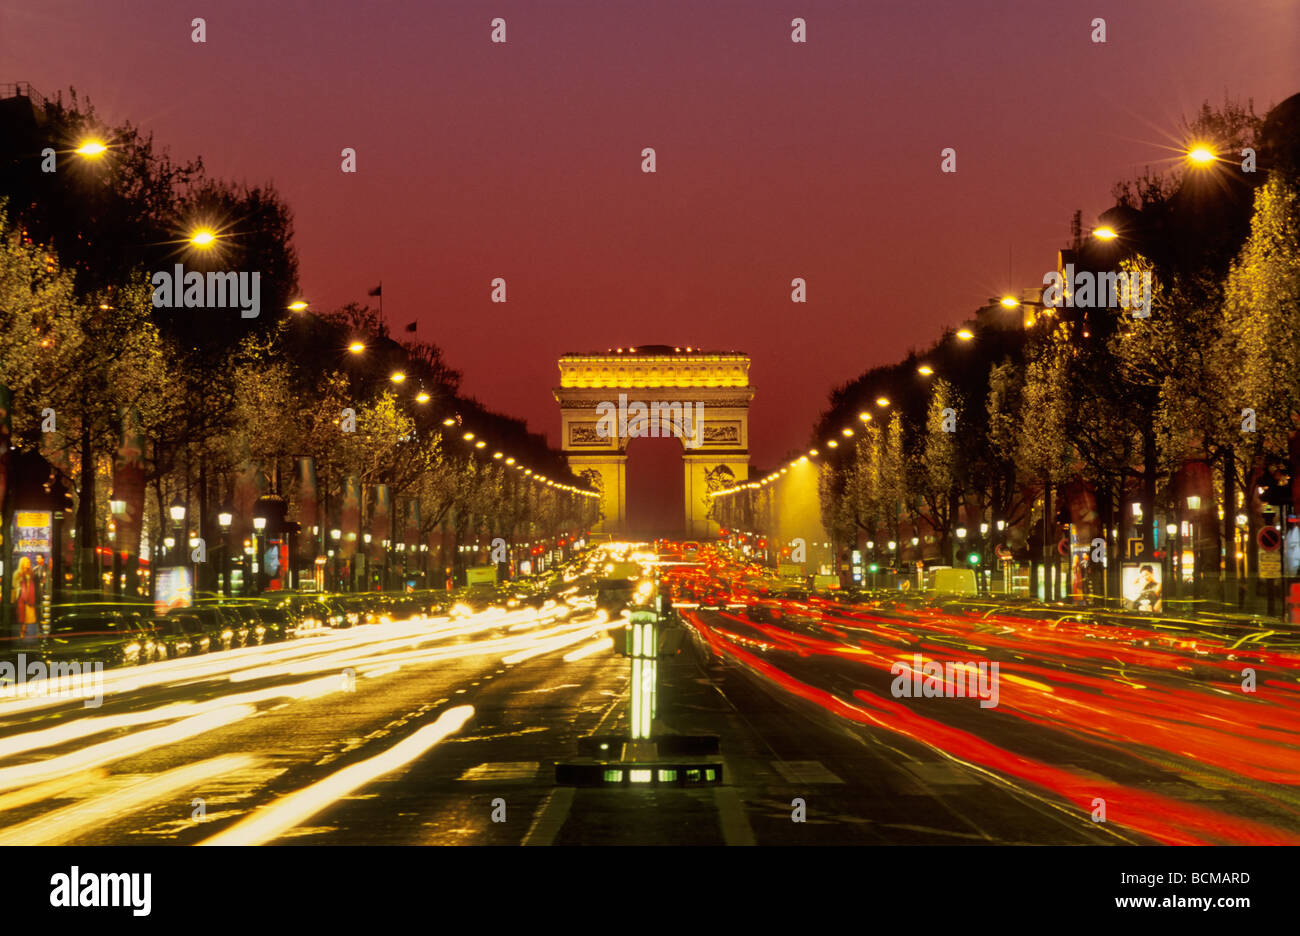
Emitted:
<point x="440" y="733"/>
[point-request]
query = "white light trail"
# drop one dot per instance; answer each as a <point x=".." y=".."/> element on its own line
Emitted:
<point x="279" y="817"/>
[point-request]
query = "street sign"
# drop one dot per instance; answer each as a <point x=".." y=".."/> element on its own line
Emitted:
<point x="1063" y="547"/>
<point x="1270" y="565"/>
<point x="1135" y="547"/>
<point x="1269" y="538"/>
<point x="1003" y="551"/>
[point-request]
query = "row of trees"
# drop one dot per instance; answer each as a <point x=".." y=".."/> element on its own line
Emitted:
<point x="208" y="404"/>
<point x="1038" y="416"/>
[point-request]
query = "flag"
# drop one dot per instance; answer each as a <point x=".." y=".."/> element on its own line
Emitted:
<point x="377" y="291"/>
<point x="411" y="327"/>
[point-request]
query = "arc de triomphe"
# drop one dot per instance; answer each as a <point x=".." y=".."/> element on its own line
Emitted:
<point x="700" y="397"/>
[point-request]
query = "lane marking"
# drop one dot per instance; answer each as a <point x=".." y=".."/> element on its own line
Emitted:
<point x="502" y="770"/>
<point x="551" y="817"/>
<point x="805" y="771"/>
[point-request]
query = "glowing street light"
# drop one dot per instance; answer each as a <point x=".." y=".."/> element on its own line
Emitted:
<point x="882" y="401"/>
<point x="357" y="347"/>
<point x="91" y="149"/>
<point x="298" y="305"/>
<point x="965" y="334"/>
<point x="865" y="417"/>
<point x="1201" y="154"/>
<point x="397" y="377"/>
<point x="1009" y="302"/>
<point x="422" y="397"/>
<point x="1105" y="233"/>
<point x="203" y="238"/>
<point x="925" y="370"/>
<point x="846" y="432"/>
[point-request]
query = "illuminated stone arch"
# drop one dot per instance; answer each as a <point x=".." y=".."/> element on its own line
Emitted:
<point x="656" y="376"/>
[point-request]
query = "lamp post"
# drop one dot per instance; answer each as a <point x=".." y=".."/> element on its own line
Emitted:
<point x="366" y="565"/>
<point x="335" y="535"/>
<point x="224" y="520"/>
<point x="117" y="507"/>
<point x="1193" y="506"/>
<point x="259" y="525"/>
<point x="177" y="513"/>
<point x="1174" y="547"/>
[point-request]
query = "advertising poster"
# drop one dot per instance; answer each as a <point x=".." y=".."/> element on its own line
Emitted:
<point x="173" y="588"/>
<point x="1143" y="587"/>
<point x="30" y="587"/>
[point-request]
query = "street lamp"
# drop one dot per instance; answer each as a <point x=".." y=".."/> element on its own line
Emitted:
<point x="224" y="520"/>
<point x="1173" y="546"/>
<point x="366" y="538"/>
<point x="1193" y="507"/>
<point x="298" y="305"/>
<point x="177" y="513"/>
<point x="91" y="149"/>
<point x="117" y="506"/>
<point x="259" y="526"/>
<point x="1200" y="154"/>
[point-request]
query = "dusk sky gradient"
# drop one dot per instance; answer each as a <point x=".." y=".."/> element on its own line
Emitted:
<point x="775" y="159"/>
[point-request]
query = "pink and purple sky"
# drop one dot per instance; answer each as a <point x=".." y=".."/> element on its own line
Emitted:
<point x="775" y="159"/>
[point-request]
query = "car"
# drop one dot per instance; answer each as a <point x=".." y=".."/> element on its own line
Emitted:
<point x="179" y="635"/>
<point x="614" y="594"/>
<point x="220" y="631"/>
<point x="201" y="639"/>
<point x="107" y="637"/>
<point x="277" y="623"/>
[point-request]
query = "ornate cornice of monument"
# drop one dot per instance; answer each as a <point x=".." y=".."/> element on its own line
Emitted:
<point x="587" y="398"/>
<point x="654" y="367"/>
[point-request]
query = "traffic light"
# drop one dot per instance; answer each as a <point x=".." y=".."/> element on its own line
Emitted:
<point x="973" y="558"/>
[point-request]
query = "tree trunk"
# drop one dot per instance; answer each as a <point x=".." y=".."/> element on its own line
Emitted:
<point x="87" y="558"/>
<point x="1148" y="490"/>
<point x="1048" y="566"/>
<point x="1229" y="550"/>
